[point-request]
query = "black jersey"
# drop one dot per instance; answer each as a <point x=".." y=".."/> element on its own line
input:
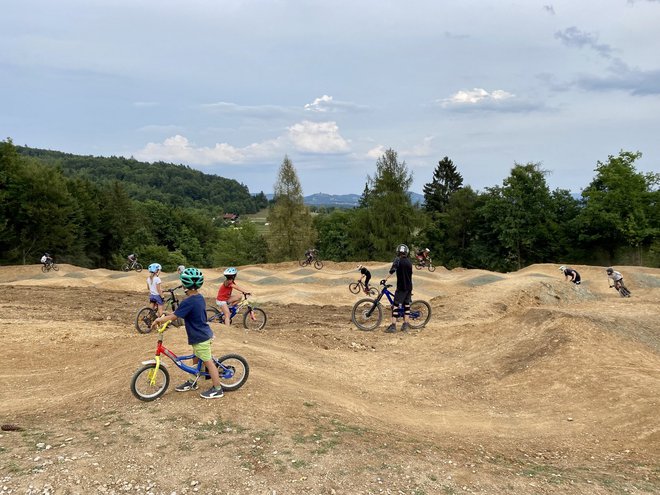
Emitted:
<point x="403" y="268"/>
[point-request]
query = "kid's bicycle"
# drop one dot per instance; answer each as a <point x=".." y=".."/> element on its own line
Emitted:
<point x="318" y="264"/>
<point x="253" y="318"/>
<point x="357" y="287"/>
<point x="368" y="313"/>
<point x="425" y="263"/>
<point x="146" y="316"/>
<point x="46" y="267"/>
<point x="133" y="265"/>
<point x="151" y="380"/>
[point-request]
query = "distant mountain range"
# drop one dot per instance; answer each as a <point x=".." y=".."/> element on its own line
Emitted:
<point x="344" y="200"/>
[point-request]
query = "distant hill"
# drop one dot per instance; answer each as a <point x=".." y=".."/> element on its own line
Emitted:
<point x="344" y="200"/>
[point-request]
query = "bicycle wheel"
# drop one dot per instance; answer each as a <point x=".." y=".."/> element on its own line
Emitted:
<point x="365" y="316"/>
<point x="418" y="266"/>
<point x="144" y="319"/>
<point x="624" y="292"/>
<point x="148" y="384"/>
<point x="431" y="268"/>
<point x="354" y="287"/>
<point x="126" y="267"/>
<point x="138" y="267"/>
<point x="304" y="262"/>
<point x="420" y="314"/>
<point x="373" y="292"/>
<point x="233" y="370"/>
<point x="255" y="319"/>
<point x="212" y="315"/>
<point x="44" y="268"/>
<point x="318" y="264"/>
<point x="55" y="267"/>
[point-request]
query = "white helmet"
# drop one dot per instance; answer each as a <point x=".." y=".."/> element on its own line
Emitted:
<point x="180" y="269"/>
<point x="402" y="249"/>
<point x="562" y="268"/>
<point x="360" y="267"/>
<point x="154" y="267"/>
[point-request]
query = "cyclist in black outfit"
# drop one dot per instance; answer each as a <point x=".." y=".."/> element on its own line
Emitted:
<point x="403" y="295"/>
<point x="570" y="274"/>
<point x="367" y="276"/>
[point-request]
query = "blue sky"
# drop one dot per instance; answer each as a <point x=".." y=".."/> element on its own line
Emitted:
<point x="231" y="87"/>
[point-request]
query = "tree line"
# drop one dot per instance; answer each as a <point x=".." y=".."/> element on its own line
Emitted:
<point x="94" y="217"/>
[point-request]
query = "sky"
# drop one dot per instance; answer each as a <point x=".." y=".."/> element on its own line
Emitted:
<point x="231" y="87"/>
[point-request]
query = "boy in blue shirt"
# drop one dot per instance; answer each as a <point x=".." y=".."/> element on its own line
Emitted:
<point x="193" y="312"/>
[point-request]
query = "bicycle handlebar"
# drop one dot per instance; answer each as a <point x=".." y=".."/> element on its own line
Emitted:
<point x="174" y="288"/>
<point x="164" y="327"/>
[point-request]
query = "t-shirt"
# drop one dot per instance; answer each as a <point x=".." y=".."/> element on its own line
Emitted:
<point x="366" y="272"/>
<point x="403" y="268"/>
<point x="153" y="285"/>
<point x="225" y="291"/>
<point x="193" y="312"/>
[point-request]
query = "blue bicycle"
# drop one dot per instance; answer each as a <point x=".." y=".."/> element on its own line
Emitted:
<point x="368" y="313"/>
<point x="253" y="319"/>
<point x="152" y="379"/>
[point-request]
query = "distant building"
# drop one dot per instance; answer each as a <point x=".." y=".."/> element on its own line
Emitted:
<point x="230" y="217"/>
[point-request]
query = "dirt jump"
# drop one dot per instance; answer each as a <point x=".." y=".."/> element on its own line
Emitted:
<point x="521" y="383"/>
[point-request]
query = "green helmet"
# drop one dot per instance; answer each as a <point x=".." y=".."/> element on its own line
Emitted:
<point x="192" y="278"/>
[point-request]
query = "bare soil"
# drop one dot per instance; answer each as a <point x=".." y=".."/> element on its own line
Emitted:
<point x="521" y="383"/>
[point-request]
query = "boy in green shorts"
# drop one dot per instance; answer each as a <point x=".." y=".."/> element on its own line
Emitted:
<point x="193" y="312"/>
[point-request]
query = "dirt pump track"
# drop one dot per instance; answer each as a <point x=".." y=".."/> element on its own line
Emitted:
<point x="520" y="383"/>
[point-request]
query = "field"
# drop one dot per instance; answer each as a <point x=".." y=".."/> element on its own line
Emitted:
<point x="521" y="383"/>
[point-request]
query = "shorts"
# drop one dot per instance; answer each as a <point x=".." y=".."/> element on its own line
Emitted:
<point x="156" y="299"/>
<point x="203" y="350"/>
<point x="402" y="297"/>
<point x="220" y="303"/>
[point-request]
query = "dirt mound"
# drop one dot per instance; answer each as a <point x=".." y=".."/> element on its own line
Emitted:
<point x="520" y="383"/>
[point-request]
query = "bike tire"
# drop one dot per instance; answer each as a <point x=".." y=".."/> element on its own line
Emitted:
<point x="255" y="319"/>
<point x="55" y="267"/>
<point x="318" y="264"/>
<point x="360" y="318"/>
<point x="623" y="292"/>
<point x="44" y="269"/>
<point x="354" y="287"/>
<point x="431" y="268"/>
<point x="126" y="267"/>
<point x="233" y="370"/>
<point x="303" y="262"/>
<point x="373" y="292"/>
<point x="420" y="314"/>
<point x="211" y="315"/>
<point x="138" y="267"/>
<point x="144" y="319"/>
<point x="141" y="382"/>
<point x="418" y="266"/>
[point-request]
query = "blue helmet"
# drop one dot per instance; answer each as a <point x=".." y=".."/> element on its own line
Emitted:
<point x="154" y="267"/>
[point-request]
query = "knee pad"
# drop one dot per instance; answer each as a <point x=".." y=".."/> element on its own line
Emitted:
<point x="406" y="309"/>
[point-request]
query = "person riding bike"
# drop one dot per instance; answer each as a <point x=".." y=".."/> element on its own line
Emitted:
<point x="224" y="298"/>
<point x="132" y="259"/>
<point x="155" y="290"/>
<point x="570" y="274"/>
<point x="200" y="335"/>
<point x="46" y="259"/>
<point x="616" y="279"/>
<point x="403" y="294"/>
<point x="366" y="274"/>
<point x="423" y="255"/>
<point x="310" y="254"/>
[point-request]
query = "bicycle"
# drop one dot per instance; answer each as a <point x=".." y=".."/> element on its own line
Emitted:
<point x="151" y="380"/>
<point x="253" y="319"/>
<point x="357" y="287"/>
<point x="621" y="289"/>
<point x="367" y="313"/>
<point x="134" y="265"/>
<point x="46" y="267"/>
<point x="318" y="264"/>
<point x="146" y="316"/>
<point x="425" y="263"/>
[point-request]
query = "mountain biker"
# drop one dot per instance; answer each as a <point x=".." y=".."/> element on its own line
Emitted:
<point x="224" y="298"/>
<point x="131" y="258"/>
<point x="193" y="312"/>
<point x="310" y="254"/>
<point x="366" y="274"/>
<point x="46" y="259"/>
<point x="155" y="290"/>
<point x="422" y="255"/>
<point x="403" y="294"/>
<point x="616" y="278"/>
<point x="570" y="274"/>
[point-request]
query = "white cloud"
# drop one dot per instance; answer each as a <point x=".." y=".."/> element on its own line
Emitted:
<point x="476" y="96"/>
<point x="327" y="104"/>
<point x="478" y="99"/>
<point x="317" y="137"/>
<point x="425" y="148"/>
<point x="376" y="152"/>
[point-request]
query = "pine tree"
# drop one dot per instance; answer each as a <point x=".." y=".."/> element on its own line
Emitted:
<point x="291" y="231"/>
<point x="446" y="181"/>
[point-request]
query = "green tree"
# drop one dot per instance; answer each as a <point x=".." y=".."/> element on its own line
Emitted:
<point x="334" y="234"/>
<point x="388" y="217"/>
<point x="620" y="205"/>
<point x="291" y="231"/>
<point x="446" y="181"/>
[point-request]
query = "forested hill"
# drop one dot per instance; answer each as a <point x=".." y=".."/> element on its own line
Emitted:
<point x="174" y="185"/>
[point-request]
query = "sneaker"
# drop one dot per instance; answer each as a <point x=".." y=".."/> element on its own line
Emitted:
<point x="391" y="328"/>
<point x="405" y="327"/>
<point x="189" y="385"/>
<point x="212" y="393"/>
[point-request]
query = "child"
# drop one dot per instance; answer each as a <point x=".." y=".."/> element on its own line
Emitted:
<point x="367" y="276"/>
<point x="155" y="290"/>
<point x="193" y="312"/>
<point x="570" y="274"/>
<point x="224" y="298"/>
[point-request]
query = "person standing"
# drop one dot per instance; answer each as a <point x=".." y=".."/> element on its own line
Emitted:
<point x="403" y="268"/>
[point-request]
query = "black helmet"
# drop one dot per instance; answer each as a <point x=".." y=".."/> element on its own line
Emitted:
<point x="402" y="249"/>
<point x="610" y="270"/>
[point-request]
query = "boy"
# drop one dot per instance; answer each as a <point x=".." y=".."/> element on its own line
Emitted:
<point x="193" y="312"/>
<point x="570" y="274"/>
<point x="366" y="274"/>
